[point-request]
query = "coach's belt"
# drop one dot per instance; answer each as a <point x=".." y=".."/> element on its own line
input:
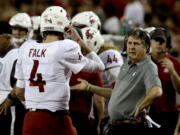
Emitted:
<point x="58" y="112"/>
<point x="122" y="122"/>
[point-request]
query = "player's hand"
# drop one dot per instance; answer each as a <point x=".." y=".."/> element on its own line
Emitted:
<point x="80" y="86"/>
<point x="71" y="33"/>
<point x="5" y="106"/>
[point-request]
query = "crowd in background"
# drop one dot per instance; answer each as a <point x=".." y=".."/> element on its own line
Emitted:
<point x="146" y="13"/>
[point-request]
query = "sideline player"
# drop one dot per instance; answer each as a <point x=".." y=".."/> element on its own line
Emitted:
<point x="8" y="57"/>
<point x="43" y="73"/>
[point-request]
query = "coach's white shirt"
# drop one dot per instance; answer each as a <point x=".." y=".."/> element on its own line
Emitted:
<point x="52" y="64"/>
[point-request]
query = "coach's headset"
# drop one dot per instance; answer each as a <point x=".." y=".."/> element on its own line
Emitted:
<point x="142" y="34"/>
<point x="160" y="31"/>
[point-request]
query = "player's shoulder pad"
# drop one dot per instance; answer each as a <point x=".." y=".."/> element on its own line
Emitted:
<point x="27" y="43"/>
<point x="70" y="44"/>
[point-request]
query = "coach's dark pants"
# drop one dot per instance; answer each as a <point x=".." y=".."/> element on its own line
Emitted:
<point x="127" y="129"/>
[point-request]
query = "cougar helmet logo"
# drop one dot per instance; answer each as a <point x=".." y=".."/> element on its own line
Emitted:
<point x="48" y="20"/>
<point x="89" y="35"/>
<point x="91" y="20"/>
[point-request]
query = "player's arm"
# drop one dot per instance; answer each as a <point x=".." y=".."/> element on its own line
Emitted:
<point x="98" y="102"/>
<point x="94" y="63"/>
<point x="4" y="107"/>
<point x="84" y="85"/>
<point x="91" y="62"/>
<point x="72" y="34"/>
<point x="19" y="90"/>
<point x="99" y="110"/>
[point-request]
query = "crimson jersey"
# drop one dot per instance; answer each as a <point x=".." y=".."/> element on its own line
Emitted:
<point x="47" y="68"/>
<point x="81" y="101"/>
<point x="167" y="102"/>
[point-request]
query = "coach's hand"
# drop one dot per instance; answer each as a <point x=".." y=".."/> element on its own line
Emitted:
<point x="140" y="114"/>
<point x="80" y="86"/>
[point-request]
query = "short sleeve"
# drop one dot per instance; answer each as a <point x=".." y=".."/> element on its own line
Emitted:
<point x="74" y="59"/>
<point x="151" y="77"/>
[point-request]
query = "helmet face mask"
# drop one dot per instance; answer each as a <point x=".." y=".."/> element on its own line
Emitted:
<point x="93" y="38"/>
<point x="86" y="19"/>
<point x="54" y="18"/>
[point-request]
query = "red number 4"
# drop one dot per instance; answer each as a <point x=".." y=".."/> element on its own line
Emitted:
<point x="39" y="82"/>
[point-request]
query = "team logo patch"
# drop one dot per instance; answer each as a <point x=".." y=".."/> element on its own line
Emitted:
<point x="91" y="20"/>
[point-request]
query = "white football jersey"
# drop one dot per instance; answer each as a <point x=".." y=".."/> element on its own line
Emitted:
<point x="46" y="69"/>
<point x="111" y="58"/>
<point x="6" y="65"/>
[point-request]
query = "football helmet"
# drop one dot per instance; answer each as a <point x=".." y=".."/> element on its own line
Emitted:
<point x="93" y="38"/>
<point x="54" y="18"/>
<point x="111" y="58"/>
<point x="35" y="22"/>
<point x="86" y="19"/>
<point x="22" y="20"/>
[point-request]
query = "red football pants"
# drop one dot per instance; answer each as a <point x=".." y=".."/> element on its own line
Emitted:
<point x="44" y="123"/>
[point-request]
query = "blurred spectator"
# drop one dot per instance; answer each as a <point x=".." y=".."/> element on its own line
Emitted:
<point x="111" y="24"/>
<point x="175" y="51"/>
<point x="134" y="11"/>
<point x="118" y="5"/>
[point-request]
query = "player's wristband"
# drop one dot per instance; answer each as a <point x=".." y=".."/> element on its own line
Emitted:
<point x="88" y="87"/>
<point x="20" y="83"/>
